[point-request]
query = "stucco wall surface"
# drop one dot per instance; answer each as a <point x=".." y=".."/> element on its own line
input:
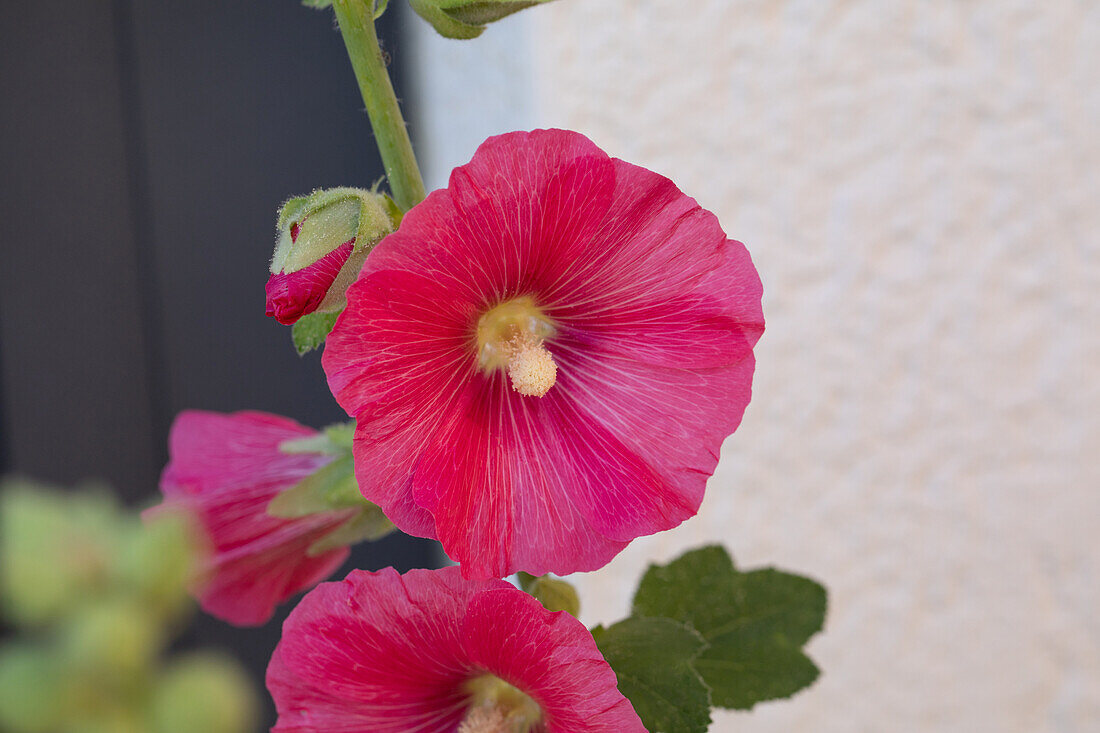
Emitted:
<point x="919" y="185"/>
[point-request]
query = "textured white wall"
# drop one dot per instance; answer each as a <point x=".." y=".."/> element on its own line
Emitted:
<point x="919" y="184"/>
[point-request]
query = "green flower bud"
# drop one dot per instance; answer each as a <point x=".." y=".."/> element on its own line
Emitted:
<point x="159" y="559"/>
<point x="323" y="240"/>
<point x="114" y="639"/>
<point x="554" y="594"/>
<point x="125" y="719"/>
<point x="33" y="692"/>
<point x="203" y="692"/>
<point x="467" y="18"/>
<point x="55" y="550"/>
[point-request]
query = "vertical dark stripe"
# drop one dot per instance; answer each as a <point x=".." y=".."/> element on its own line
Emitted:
<point x="5" y="468"/>
<point x="156" y="367"/>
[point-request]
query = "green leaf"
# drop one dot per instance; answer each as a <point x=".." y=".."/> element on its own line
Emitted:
<point x="317" y="4"/>
<point x="369" y="524"/>
<point x="331" y="487"/>
<point x="755" y="623"/>
<point x="652" y="661"/>
<point x="311" y="330"/>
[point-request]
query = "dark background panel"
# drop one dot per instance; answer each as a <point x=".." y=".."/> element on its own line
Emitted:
<point x="75" y="381"/>
<point x="144" y="150"/>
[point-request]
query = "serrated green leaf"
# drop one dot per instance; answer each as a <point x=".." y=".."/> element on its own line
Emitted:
<point x="331" y="487"/>
<point x="379" y="7"/>
<point x="311" y="330"/>
<point x="755" y="623"/>
<point x="369" y="524"/>
<point x="652" y="660"/>
<point x="743" y="671"/>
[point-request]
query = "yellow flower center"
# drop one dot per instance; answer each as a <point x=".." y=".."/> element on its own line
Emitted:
<point x="498" y="707"/>
<point x="511" y="336"/>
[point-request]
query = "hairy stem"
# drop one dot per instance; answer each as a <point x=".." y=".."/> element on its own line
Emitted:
<point x="356" y="19"/>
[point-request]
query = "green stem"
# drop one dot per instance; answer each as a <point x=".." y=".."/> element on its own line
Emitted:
<point x="356" y="19"/>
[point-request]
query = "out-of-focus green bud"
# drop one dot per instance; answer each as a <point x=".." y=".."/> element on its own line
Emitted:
<point x="124" y="719"/>
<point x="323" y="240"/>
<point x="114" y="638"/>
<point x="553" y="593"/>
<point x="203" y="692"/>
<point x="33" y="693"/>
<point x="55" y="549"/>
<point x="158" y="559"/>
<point x="467" y="18"/>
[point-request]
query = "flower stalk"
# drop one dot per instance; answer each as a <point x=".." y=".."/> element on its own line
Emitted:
<point x="356" y="21"/>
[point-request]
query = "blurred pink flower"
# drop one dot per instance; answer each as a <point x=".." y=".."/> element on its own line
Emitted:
<point x="225" y="469"/>
<point x="545" y="358"/>
<point x="431" y="652"/>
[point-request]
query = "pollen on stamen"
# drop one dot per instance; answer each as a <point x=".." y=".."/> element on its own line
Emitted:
<point x="532" y="369"/>
<point x="484" y="719"/>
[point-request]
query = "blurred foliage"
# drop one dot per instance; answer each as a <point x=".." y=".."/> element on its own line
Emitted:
<point x="96" y="595"/>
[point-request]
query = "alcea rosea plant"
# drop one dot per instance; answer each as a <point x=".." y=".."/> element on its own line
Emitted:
<point x="544" y="359"/>
<point x="541" y="361"/>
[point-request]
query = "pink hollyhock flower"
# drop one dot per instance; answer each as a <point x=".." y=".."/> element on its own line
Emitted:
<point x="544" y="359"/>
<point x="433" y="653"/>
<point x="225" y="469"/>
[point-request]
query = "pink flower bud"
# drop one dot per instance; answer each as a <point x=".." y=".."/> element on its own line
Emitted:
<point x="324" y="238"/>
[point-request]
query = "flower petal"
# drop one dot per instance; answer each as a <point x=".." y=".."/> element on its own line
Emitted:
<point x="552" y="658"/>
<point x="379" y="652"/>
<point x="655" y="313"/>
<point x="291" y="295"/>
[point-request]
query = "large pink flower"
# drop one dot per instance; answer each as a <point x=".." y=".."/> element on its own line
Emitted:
<point x="545" y="358"/>
<point x="432" y="653"/>
<point x="225" y="469"/>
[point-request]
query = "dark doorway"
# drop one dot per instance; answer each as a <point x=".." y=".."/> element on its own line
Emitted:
<point x="144" y="149"/>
